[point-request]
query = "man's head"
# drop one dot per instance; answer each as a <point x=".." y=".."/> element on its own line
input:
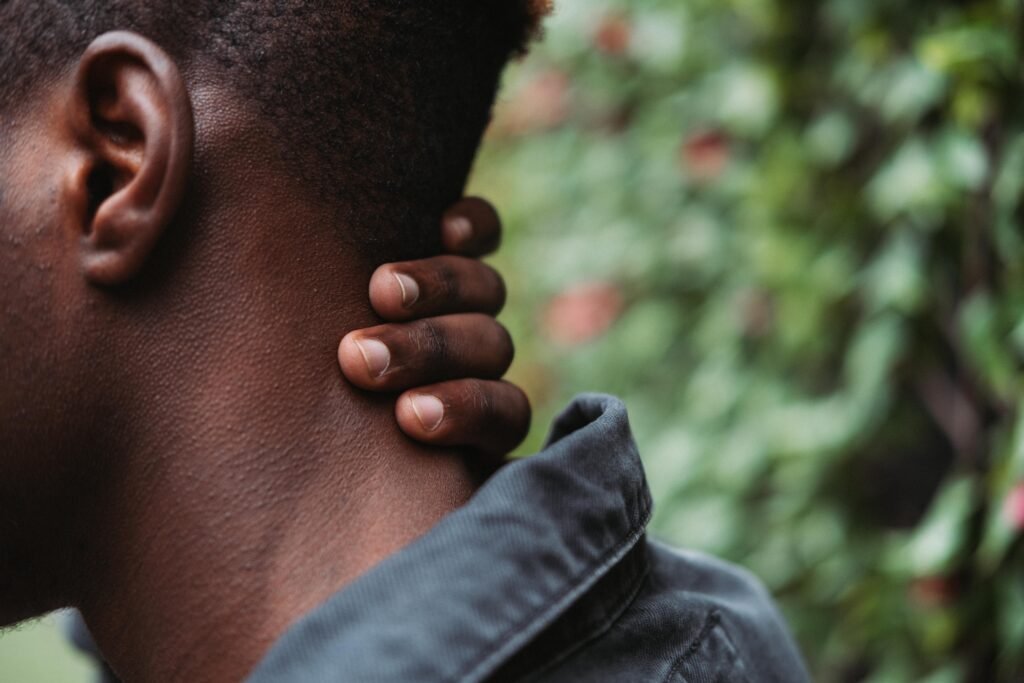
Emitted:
<point x="373" y="103"/>
<point x="140" y="141"/>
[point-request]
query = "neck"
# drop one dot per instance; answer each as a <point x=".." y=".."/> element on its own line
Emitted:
<point x="251" y="482"/>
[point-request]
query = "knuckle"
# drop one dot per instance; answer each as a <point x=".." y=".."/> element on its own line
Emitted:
<point x="432" y="342"/>
<point x="482" y="402"/>
<point x="446" y="280"/>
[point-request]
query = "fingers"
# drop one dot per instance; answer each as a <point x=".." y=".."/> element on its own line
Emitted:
<point x="399" y="356"/>
<point x="436" y="286"/>
<point x="450" y="301"/>
<point x="492" y="417"/>
<point x="446" y="284"/>
<point x="471" y="227"/>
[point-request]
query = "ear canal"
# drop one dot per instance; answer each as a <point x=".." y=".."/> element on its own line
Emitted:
<point x="100" y="185"/>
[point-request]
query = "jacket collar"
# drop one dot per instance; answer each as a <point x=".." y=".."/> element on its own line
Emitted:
<point x="461" y="601"/>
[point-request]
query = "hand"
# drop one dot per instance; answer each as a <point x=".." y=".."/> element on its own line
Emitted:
<point x="442" y="346"/>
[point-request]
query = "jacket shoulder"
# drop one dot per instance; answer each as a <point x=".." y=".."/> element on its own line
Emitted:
<point x="695" y="618"/>
<point x="741" y="634"/>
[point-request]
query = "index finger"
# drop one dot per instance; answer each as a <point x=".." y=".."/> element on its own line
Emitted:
<point x="471" y="227"/>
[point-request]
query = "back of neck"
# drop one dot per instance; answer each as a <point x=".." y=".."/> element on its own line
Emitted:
<point x="251" y="482"/>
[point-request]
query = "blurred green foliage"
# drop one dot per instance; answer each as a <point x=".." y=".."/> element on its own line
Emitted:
<point x="38" y="652"/>
<point x="788" y="234"/>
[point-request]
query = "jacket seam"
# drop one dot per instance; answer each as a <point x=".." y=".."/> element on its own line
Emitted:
<point x="713" y="619"/>
<point x="576" y="585"/>
<point x="604" y="627"/>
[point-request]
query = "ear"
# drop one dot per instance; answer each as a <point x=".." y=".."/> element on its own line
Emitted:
<point x="131" y="115"/>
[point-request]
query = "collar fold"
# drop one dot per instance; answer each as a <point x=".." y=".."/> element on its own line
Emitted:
<point x="461" y="601"/>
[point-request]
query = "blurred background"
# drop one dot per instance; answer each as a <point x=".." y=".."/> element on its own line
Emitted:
<point x="788" y="234"/>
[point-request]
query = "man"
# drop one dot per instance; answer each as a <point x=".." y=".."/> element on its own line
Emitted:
<point x="484" y="415"/>
<point x="191" y="208"/>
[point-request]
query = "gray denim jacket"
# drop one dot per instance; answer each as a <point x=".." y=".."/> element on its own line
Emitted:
<point x="546" y="575"/>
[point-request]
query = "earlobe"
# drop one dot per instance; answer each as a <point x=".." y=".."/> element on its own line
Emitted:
<point x="132" y="117"/>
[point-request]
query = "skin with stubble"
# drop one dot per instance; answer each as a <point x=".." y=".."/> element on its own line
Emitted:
<point x="181" y="459"/>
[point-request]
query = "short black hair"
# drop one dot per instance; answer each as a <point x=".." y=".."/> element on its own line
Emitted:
<point x="386" y="99"/>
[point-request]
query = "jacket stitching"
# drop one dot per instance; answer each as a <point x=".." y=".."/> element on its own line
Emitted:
<point x="578" y="583"/>
<point x="598" y="632"/>
<point x="713" y="620"/>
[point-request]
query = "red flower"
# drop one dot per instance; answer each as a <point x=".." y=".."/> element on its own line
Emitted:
<point x="613" y="35"/>
<point x="705" y="155"/>
<point x="583" y="313"/>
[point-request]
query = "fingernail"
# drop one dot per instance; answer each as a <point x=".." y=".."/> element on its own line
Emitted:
<point x="410" y="290"/>
<point x="376" y="355"/>
<point x="429" y="411"/>
<point x="460" y="228"/>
